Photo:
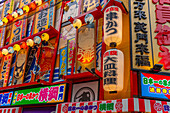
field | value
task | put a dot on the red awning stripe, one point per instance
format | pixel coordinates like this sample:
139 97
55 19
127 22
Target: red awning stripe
11 110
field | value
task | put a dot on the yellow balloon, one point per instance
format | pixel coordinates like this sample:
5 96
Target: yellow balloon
4 51
16 47
45 37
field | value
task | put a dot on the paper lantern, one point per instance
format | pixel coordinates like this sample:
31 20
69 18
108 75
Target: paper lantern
32 6
77 23
15 14
5 20
26 8
112 25
30 42
10 50
16 47
10 18
4 51
38 2
23 45
89 18
37 40
1 23
1 55
45 37
113 70
20 11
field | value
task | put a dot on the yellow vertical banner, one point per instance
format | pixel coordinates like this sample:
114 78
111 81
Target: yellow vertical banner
42 17
8 7
2 35
18 29
24 2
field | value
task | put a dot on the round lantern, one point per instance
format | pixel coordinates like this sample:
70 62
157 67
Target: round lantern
37 40
20 11
5 20
10 17
45 37
1 23
89 18
1 55
23 45
77 23
112 25
26 8
10 50
113 70
38 2
16 47
15 14
30 42
4 51
32 6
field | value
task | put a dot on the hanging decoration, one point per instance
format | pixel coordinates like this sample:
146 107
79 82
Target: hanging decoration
77 23
1 55
23 45
15 14
20 12
38 2
89 18
37 40
32 6
1 23
113 70
16 47
112 25
5 20
10 18
10 50
45 37
4 51
30 42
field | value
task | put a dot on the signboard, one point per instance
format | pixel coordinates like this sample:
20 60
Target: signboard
63 61
20 67
85 91
18 29
16 4
48 94
42 17
89 5
2 36
160 24
24 2
5 70
141 45
86 51
30 25
50 109
71 46
154 85
6 98
51 13
1 9
8 7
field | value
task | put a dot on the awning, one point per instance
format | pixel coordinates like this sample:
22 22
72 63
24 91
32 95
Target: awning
120 105
11 110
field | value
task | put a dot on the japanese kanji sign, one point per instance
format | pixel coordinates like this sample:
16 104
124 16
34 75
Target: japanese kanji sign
48 94
8 7
160 24
63 61
154 85
89 5
24 2
141 45
2 36
6 98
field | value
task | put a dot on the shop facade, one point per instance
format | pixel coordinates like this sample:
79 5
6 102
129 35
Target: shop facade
84 56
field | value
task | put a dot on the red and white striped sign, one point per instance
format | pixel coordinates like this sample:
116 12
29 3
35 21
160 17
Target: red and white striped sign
120 105
11 110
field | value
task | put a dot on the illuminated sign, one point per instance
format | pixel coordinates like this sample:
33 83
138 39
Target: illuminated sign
6 98
153 85
48 94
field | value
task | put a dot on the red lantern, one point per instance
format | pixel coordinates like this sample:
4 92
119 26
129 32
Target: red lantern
32 6
1 55
23 45
10 18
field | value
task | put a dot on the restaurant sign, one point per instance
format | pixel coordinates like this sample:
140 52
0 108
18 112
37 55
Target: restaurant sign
154 85
6 98
48 94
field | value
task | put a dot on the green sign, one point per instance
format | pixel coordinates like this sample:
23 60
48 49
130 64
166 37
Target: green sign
48 94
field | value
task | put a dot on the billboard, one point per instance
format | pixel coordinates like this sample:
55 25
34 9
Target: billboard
6 98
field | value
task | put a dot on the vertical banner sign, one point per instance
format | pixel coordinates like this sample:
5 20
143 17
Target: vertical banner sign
48 94
51 13
30 25
18 29
71 46
2 35
24 2
86 52
160 23
12 69
155 86
113 70
72 10
63 61
89 5
5 70
6 98
20 67
8 7
141 45
16 4
42 17
1 10
57 14
8 34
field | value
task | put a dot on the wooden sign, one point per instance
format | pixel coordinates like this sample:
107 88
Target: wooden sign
42 17
20 67
89 5
141 43
86 51
8 7
12 68
5 70
24 2
2 36
18 29
51 13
